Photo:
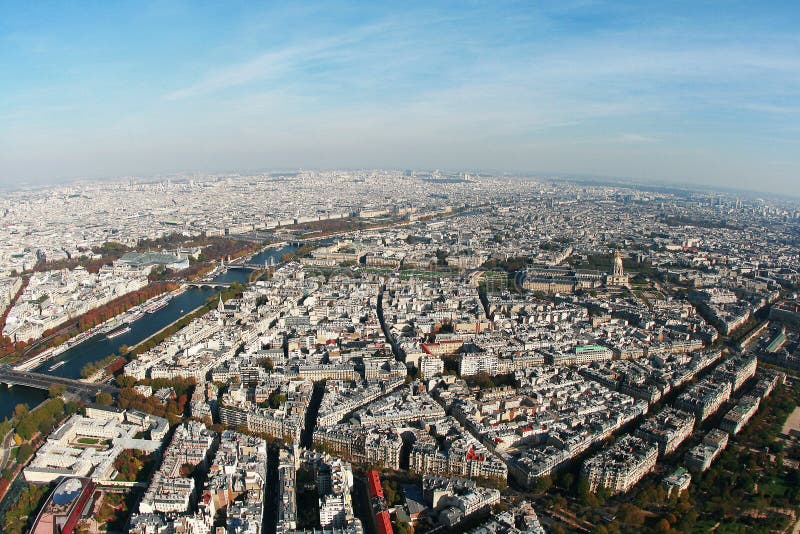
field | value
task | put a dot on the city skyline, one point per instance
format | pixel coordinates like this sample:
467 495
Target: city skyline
680 94
257 352
399 268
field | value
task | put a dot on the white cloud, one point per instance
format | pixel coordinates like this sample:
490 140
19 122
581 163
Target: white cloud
274 64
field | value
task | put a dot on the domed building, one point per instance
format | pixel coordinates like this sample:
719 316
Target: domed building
617 276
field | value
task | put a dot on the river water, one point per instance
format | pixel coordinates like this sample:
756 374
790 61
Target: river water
99 346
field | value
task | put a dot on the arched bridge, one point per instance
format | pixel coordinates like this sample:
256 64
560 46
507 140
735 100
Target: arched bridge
213 285
42 381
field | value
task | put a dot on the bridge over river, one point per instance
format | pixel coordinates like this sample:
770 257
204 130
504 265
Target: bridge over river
210 283
86 390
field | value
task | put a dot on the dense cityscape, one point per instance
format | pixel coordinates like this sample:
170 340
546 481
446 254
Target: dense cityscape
347 267
397 351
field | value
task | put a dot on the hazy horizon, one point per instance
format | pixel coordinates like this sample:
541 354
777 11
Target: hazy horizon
675 93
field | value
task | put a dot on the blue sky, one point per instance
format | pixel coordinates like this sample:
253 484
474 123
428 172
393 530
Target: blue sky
691 92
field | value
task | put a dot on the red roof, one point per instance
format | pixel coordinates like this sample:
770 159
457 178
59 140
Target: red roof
384 523
426 347
472 455
374 484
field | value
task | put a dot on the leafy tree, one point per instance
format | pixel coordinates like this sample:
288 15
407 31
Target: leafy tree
104 399
71 408
187 470
45 426
24 452
391 491
266 363
663 526
42 418
20 410
17 518
276 400
631 515
125 381
542 484
566 479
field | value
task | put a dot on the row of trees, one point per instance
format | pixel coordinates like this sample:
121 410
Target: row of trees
60 334
157 338
29 423
122 304
682 220
332 226
108 251
235 290
17 517
214 249
43 418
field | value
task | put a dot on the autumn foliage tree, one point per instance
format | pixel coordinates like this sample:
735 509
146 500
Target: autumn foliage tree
121 304
60 334
172 410
129 464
